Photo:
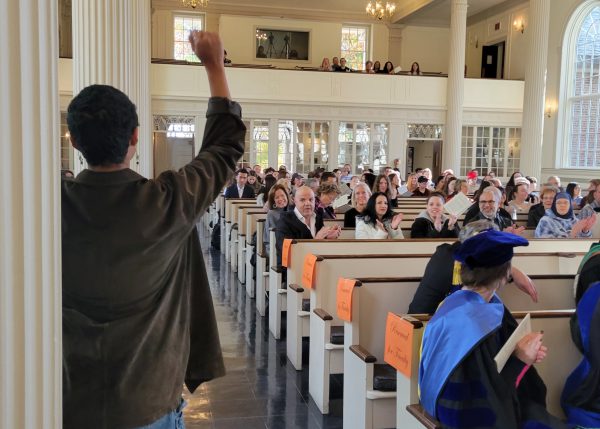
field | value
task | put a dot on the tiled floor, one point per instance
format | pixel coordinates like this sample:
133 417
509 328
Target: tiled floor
261 388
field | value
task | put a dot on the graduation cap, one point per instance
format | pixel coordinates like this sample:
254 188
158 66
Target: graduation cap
488 249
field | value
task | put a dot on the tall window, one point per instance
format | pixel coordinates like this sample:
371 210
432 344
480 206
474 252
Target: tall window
182 25
581 89
490 148
303 145
355 46
363 145
260 143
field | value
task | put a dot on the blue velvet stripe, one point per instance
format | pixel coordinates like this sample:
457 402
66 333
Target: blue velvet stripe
585 313
533 424
477 417
469 391
582 418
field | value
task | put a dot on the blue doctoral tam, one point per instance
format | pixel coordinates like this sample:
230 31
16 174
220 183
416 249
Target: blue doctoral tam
488 249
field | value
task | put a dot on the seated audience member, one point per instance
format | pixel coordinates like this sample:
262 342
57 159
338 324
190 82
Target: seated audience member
297 182
574 190
489 209
591 197
382 184
432 222
240 189
459 383
369 67
313 184
277 202
259 173
421 190
537 211
439 279
369 179
561 222
260 52
359 200
411 184
519 203
354 180
554 181
474 209
377 67
326 195
329 177
394 179
325 65
427 173
253 182
510 185
303 222
343 68
335 66
379 221
264 191
388 68
415 69
533 189
287 183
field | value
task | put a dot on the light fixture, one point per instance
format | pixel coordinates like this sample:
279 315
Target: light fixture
376 9
195 3
260 35
519 25
550 108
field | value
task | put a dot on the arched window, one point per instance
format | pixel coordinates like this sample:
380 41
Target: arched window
580 89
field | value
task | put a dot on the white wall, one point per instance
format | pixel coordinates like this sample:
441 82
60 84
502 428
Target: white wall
429 46
423 157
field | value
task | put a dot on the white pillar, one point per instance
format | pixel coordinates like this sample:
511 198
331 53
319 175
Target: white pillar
30 257
274 143
456 84
111 45
199 126
397 146
535 88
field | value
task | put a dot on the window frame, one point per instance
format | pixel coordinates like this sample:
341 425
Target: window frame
373 130
568 69
181 14
367 51
471 140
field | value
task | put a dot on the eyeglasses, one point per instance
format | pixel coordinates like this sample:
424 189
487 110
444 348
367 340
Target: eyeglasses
484 202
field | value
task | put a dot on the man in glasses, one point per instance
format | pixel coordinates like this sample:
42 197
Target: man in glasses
489 204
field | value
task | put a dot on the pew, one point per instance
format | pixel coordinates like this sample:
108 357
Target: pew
228 223
251 222
562 358
238 225
262 269
277 293
241 242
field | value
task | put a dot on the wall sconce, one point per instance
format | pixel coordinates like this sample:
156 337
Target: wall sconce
550 108
519 25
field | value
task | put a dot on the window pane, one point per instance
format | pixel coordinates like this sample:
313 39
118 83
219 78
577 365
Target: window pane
182 26
286 143
354 46
260 142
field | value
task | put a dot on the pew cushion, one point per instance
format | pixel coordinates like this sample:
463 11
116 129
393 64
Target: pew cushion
337 335
384 377
306 304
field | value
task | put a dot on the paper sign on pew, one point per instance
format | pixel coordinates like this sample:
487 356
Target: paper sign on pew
345 287
308 272
285 252
458 204
399 343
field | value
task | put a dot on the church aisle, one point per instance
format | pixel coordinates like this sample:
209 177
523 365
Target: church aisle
261 388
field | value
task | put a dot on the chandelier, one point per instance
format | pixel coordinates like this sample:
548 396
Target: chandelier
376 9
195 3
260 35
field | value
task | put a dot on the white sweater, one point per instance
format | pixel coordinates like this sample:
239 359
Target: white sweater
370 231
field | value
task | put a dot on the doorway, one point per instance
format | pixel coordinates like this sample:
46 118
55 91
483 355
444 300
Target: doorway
425 153
492 61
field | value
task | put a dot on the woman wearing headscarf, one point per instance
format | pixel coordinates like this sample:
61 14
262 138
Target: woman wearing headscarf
432 222
459 381
560 221
379 221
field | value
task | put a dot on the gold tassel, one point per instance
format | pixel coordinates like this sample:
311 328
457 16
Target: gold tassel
456 280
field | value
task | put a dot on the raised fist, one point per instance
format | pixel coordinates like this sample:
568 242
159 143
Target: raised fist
207 47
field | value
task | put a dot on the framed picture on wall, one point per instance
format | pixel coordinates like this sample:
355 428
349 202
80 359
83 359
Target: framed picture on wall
282 44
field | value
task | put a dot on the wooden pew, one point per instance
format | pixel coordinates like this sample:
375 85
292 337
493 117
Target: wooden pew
262 269
562 358
238 224
229 214
241 239
277 293
252 218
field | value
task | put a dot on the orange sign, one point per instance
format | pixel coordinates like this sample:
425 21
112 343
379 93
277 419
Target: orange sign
285 253
344 298
308 273
398 343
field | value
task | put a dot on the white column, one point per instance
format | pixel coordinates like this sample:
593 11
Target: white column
111 45
334 147
456 84
274 144
397 146
535 88
30 257
199 126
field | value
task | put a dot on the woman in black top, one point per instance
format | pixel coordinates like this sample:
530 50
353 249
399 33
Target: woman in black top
432 223
360 197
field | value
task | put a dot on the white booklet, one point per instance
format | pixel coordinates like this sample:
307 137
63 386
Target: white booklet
507 350
458 204
340 201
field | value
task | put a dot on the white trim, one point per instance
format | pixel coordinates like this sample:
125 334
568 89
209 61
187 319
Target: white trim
571 32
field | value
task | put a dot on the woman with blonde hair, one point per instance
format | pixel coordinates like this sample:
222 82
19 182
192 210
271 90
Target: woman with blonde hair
325 65
360 197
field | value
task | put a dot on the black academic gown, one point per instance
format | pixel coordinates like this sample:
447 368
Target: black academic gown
138 319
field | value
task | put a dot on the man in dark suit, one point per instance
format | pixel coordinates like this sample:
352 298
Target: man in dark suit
302 222
240 189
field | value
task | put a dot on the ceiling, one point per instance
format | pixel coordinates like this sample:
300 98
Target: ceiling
410 12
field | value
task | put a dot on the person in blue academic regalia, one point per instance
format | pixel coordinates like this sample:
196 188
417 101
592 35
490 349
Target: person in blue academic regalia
459 382
581 395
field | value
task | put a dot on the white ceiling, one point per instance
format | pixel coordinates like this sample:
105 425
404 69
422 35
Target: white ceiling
428 12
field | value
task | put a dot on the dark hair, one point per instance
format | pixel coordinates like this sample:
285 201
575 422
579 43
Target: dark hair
571 189
241 170
484 184
326 175
385 67
269 170
516 188
271 195
328 188
483 276
418 67
270 181
101 121
370 214
376 184
369 179
511 181
438 195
